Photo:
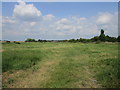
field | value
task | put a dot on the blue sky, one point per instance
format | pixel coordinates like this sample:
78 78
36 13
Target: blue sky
65 9
58 20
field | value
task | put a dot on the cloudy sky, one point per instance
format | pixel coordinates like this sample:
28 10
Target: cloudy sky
58 20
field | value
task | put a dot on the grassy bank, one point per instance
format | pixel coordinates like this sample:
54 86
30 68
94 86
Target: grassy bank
61 65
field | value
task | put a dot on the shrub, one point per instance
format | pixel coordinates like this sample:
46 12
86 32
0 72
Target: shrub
118 39
16 42
94 39
30 40
7 41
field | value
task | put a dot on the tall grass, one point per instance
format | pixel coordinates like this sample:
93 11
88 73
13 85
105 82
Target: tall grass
22 59
101 60
108 73
0 62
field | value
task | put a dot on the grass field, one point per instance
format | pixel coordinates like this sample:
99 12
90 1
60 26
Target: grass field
60 65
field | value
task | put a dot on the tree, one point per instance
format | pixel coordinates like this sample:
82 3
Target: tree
84 40
107 38
30 40
7 41
102 36
94 39
39 40
72 40
118 39
110 39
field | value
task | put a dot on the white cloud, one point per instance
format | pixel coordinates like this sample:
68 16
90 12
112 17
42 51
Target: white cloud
81 19
8 20
63 21
104 18
25 11
111 23
27 21
48 17
32 23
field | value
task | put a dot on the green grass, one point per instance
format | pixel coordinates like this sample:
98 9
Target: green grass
77 64
16 57
15 60
0 62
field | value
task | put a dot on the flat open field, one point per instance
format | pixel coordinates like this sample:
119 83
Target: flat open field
60 65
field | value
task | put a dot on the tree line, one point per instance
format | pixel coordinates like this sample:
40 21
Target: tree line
101 38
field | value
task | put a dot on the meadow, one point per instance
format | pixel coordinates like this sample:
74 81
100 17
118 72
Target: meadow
60 65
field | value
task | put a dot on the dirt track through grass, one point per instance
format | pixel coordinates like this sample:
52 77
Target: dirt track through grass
34 79
63 65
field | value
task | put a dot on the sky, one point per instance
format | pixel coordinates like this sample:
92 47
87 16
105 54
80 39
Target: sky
58 20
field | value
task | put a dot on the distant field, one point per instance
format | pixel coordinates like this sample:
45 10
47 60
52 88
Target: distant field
60 65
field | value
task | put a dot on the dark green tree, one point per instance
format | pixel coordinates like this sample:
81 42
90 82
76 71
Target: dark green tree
84 40
30 40
108 38
72 40
118 39
102 36
94 39
39 40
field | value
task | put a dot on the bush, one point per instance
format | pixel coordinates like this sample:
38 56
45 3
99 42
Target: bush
95 39
16 42
7 41
30 40
72 40
118 39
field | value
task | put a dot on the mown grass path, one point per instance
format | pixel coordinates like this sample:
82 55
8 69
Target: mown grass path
63 65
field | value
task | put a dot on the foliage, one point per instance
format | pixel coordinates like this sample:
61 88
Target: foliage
16 42
30 40
102 36
95 39
110 39
7 41
118 39
72 40
39 40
